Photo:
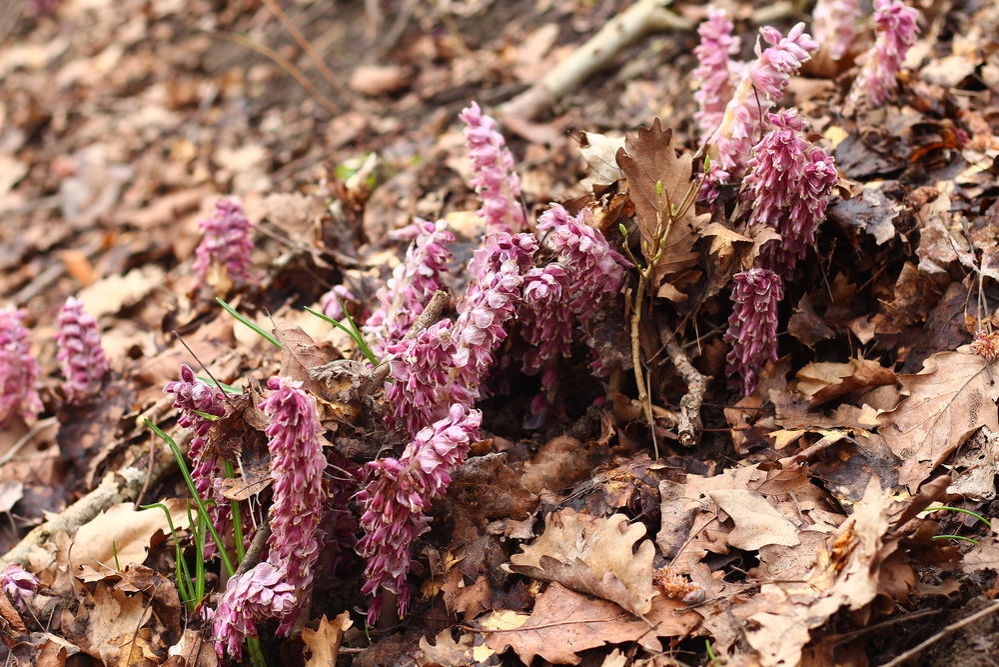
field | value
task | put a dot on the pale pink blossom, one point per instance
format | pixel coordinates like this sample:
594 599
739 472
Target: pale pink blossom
752 327
547 326
261 592
495 180
897 28
332 302
835 25
225 244
19 585
83 360
715 73
297 466
19 372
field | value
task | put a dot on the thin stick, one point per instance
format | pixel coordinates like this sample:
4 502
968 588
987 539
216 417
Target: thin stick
689 423
429 315
255 553
26 438
919 648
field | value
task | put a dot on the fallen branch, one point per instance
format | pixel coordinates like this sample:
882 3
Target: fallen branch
689 418
919 648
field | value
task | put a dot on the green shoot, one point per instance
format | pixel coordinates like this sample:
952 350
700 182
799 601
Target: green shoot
183 575
207 416
352 331
256 655
227 388
959 509
237 517
253 325
712 658
954 537
114 550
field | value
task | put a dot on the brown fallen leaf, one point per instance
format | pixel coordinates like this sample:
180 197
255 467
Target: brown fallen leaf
757 522
824 381
323 643
593 555
565 622
953 396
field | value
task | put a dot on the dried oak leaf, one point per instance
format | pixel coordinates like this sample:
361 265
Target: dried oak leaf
647 159
323 643
757 522
953 396
564 622
448 652
823 381
593 555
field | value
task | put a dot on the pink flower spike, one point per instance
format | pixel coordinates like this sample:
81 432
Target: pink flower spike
225 246
19 372
897 28
761 86
83 361
297 466
547 326
752 327
259 593
495 180
19 585
715 70
789 186
395 496
835 25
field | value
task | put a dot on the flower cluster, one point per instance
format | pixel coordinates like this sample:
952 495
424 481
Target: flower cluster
297 465
547 327
332 302
405 295
225 247
495 180
191 397
396 495
761 85
261 592
835 25
752 328
19 372
715 69
897 29
790 183
19 585
83 360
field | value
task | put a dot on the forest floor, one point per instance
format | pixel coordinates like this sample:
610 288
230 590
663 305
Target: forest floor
797 513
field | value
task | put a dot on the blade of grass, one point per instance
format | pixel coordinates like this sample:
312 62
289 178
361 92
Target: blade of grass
954 537
253 325
959 509
180 565
227 388
237 517
353 332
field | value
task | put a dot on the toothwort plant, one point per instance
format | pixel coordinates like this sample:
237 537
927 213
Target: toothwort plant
895 23
835 25
715 71
19 372
261 592
495 180
752 327
83 360
225 245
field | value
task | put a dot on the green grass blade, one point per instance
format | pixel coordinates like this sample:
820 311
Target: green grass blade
227 388
954 537
253 325
237 517
959 509
180 565
353 332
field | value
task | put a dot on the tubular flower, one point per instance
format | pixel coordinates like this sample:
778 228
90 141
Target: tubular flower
715 69
594 269
495 181
407 292
330 303
762 84
19 372
225 246
752 328
259 593
19 585
192 396
547 327
396 494
83 360
789 184
497 271
835 25
895 23
297 466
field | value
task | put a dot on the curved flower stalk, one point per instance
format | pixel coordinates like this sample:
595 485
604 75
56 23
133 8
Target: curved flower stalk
405 295
223 256
495 180
19 585
331 302
261 592
297 466
396 495
762 84
192 396
752 327
497 271
19 372
715 70
789 184
547 327
895 23
835 25
83 360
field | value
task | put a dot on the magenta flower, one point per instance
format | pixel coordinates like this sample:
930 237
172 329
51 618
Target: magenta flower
547 326
261 592
895 23
715 70
835 25
405 295
297 466
19 585
789 185
495 180
752 327
192 396
83 361
762 84
330 303
19 372
225 246
396 495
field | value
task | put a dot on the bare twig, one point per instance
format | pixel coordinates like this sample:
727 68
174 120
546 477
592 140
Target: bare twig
689 422
255 553
429 315
919 648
